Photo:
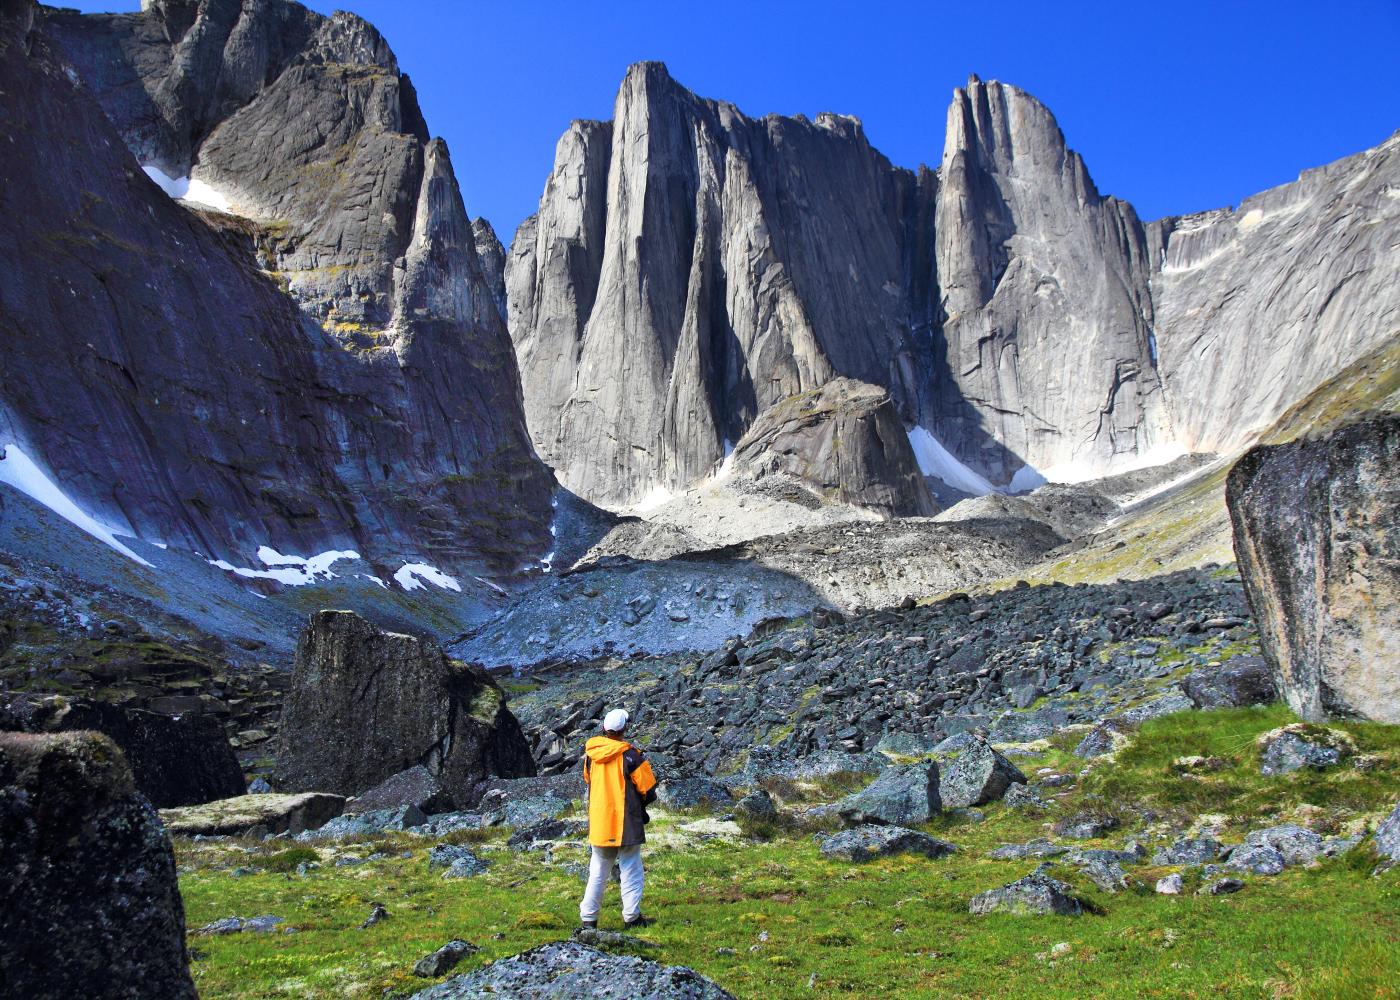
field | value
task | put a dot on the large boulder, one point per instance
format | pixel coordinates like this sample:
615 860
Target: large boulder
365 704
844 440
175 760
1317 537
416 787
1388 835
1241 681
571 969
978 776
899 796
244 814
89 905
1033 895
865 843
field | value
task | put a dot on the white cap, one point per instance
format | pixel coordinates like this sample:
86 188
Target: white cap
615 721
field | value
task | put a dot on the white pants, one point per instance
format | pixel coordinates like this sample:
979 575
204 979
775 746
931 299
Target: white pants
629 860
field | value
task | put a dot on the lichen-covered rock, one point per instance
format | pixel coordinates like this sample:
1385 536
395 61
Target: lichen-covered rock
692 793
1387 837
899 796
366 704
416 786
864 843
1300 745
1035 894
89 905
1255 860
1189 851
845 441
564 970
441 961
175 760
1105 738
268 813
1318 547
1240 681
979 775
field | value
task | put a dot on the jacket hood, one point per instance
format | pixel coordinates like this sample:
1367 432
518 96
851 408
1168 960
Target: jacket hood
601 749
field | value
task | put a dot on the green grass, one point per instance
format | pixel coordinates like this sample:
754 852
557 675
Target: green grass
892 928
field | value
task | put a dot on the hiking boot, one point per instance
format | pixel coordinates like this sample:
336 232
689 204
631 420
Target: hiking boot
638 921
588 925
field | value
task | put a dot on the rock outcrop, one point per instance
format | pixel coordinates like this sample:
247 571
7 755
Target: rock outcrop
845 441
248 815
89 905
572 969
690 267
1318 547
318 361
366 704
175 760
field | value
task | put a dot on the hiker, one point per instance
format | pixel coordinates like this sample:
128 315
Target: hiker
620 787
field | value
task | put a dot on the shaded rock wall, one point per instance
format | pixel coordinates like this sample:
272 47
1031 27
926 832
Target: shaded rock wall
366 704
89 905
1318 547
326 369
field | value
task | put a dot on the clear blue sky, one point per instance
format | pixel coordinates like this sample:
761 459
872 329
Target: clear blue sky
1176 107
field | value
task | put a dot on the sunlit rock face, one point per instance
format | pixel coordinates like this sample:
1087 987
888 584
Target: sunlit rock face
318 362
690 267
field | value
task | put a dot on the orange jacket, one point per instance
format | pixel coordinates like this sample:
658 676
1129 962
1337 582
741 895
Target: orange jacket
620 787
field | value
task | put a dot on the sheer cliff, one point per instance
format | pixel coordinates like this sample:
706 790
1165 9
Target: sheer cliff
307 352
690 267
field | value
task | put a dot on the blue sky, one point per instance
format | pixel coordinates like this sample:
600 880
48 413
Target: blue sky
1176 107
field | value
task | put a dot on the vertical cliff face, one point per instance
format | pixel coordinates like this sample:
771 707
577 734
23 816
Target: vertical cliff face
1046 354
690 266
320 363
1256 306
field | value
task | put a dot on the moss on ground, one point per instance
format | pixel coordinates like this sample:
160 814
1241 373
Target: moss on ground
776 919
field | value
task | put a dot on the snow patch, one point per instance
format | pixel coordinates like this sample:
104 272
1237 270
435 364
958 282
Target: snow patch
1251 219
192 190
373 579
1027 478
294 571
20 471
412 576
936 460
496 587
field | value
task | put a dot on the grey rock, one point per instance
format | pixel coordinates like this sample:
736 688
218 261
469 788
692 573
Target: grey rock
1319 553
1105 738
440 962
1105 873
1033 849
906 744
571 969
1297 845
1167 703
843 440
899 796
865 843
1020 796
1223 887
378 913
1255 860
1197 851
365 704
259 786
1085 826
692 793
1286 752
1035 894
447 855
466 867
275 813
758 804
415 786
979 775
553 829
1242 680
1387 837
237 925
89 904
367 824
1170 885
